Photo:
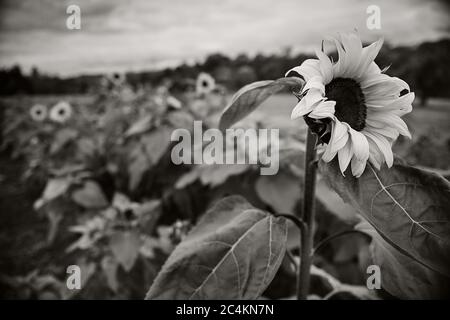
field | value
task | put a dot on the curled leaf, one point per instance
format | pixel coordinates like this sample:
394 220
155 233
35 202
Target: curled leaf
248 98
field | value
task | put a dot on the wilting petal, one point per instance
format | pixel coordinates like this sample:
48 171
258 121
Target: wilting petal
339 136
313 96
360 145
373 79
358 167
306 104
324 109
402 84
390 120
308 69
383 145
388 132
341 66
368 55
401 105
345 155
375 124
327 156
387 87
353 48
326 67
376 157
301 109
316 83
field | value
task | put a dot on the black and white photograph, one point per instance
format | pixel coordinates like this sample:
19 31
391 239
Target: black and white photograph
224 150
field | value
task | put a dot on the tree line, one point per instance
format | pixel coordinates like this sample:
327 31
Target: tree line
426 67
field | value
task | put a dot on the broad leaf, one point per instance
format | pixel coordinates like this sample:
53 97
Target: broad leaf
180 119
248 98
141 125
62 138
90 196
156 143
280 191
407 206
125 247
138 164
402 276
232 253
109 267
55 187
211 174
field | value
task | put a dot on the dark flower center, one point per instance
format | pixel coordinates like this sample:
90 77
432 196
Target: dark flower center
350 106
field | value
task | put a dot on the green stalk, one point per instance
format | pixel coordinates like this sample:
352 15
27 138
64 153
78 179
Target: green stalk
303 276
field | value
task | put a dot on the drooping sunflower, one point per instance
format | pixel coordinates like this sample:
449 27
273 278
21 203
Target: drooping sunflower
358 106
205 84
61 112
38 112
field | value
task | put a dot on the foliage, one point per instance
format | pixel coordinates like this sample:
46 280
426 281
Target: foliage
116 206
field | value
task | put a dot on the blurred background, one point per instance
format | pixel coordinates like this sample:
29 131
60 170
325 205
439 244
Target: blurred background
86 116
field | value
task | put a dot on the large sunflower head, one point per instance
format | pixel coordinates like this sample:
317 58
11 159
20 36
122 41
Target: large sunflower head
354 106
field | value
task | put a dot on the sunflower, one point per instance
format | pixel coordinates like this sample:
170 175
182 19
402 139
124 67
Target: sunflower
61 112
38 112
357 107
205 84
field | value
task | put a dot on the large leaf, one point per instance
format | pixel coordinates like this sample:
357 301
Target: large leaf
140 126
408 207
62 138
248 98
156 143
232 253
125 248
90 196
402 276
280 191
211 174
55 187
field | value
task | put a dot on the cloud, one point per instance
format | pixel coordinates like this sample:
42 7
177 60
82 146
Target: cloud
144 34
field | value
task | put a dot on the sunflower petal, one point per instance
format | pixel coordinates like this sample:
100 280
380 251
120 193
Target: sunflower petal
368 55
383 145
401 105
341 65
360 145
392 120
308 69
353 48
326 66
323 109
339 136
316 83
345 155
388 132
358 166
306 104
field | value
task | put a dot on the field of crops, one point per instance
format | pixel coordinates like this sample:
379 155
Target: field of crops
96 188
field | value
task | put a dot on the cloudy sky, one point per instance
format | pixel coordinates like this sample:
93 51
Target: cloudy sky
146 34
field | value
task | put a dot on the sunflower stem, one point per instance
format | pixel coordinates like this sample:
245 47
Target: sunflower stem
308 213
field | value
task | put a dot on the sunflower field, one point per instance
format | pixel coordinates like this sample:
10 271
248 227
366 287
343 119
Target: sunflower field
89 181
